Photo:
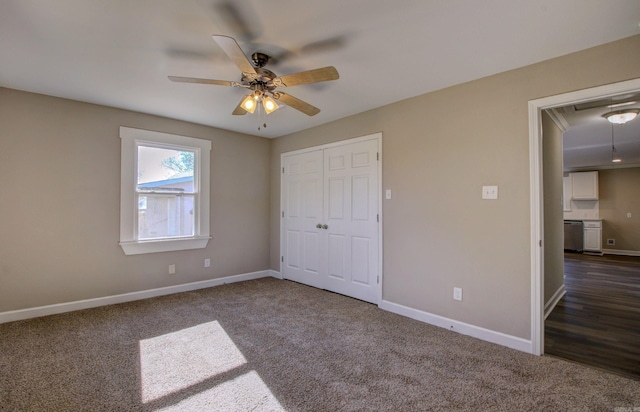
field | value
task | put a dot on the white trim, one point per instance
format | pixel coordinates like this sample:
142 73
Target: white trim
536 222
128 297
549 306
535 183
558 119
377 136
621 252
275 274
130 138
488 335
138 247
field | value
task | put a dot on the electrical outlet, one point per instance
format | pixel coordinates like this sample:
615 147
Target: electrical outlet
172 269
611 242
629 215
207 263
457 294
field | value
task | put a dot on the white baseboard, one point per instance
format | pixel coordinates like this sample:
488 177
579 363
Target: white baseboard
276 274
548 307
499 338
129 297
621 252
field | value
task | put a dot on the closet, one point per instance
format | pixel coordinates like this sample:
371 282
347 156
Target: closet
330 218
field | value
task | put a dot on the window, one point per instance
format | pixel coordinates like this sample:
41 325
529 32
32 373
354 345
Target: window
164 192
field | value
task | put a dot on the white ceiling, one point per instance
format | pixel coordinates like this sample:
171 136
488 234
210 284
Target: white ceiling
589 137
119 52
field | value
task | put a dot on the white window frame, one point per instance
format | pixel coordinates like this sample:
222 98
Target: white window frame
130 139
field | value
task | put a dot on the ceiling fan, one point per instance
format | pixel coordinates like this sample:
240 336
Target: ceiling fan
263 82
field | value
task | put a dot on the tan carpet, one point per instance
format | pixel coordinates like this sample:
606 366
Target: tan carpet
277 345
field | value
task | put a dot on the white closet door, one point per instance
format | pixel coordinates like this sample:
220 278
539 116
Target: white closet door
351 216
330 229
302 205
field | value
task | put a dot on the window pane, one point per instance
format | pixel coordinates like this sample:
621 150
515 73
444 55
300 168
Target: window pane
165 215
165 170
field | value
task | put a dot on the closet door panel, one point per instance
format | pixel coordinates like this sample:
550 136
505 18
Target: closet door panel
302 197
351 212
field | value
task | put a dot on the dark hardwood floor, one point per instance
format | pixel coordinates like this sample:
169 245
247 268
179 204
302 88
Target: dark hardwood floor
597 322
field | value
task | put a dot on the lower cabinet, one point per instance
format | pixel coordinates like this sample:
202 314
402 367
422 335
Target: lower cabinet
593 236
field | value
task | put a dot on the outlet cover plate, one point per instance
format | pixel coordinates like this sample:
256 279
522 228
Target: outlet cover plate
490 192
457 294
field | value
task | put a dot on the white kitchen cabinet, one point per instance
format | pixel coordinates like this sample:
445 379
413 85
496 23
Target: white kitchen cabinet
584 185
566 194
593 236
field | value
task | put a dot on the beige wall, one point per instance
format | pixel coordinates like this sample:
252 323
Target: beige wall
553 210
439 149
60 204
619 191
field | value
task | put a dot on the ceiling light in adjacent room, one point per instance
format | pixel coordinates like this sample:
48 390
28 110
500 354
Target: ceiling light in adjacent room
621 116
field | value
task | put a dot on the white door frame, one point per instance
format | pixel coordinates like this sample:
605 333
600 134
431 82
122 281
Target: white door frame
376 136
535 184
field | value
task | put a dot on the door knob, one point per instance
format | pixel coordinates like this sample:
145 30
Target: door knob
319 226
325 227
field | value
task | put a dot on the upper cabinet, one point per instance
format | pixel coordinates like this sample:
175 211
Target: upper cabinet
584 185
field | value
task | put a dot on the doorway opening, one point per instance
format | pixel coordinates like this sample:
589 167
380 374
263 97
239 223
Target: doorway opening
536 107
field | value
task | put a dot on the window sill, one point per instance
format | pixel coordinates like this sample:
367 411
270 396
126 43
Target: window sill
139 247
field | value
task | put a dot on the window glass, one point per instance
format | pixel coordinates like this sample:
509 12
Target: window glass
165 190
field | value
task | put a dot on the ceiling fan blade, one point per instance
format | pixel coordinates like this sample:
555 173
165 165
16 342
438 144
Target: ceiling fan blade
296 103
240 19
311 76
235 53
239 111
201 81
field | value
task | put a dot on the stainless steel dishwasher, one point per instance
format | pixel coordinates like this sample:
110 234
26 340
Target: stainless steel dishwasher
573 235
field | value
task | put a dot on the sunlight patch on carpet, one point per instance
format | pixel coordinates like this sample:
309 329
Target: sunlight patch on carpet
178 360
247 392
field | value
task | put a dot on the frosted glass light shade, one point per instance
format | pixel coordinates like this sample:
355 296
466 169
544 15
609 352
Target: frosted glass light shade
622 116
249 103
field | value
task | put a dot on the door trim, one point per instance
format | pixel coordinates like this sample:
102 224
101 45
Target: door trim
373 136
535 184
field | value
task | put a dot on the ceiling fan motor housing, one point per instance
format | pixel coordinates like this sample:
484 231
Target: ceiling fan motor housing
263 81
260 59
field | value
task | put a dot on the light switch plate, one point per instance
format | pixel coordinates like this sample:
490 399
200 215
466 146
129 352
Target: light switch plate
490 192
388 194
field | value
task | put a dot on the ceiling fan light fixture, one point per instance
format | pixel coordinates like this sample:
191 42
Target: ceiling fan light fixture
269 104
621 116
249 103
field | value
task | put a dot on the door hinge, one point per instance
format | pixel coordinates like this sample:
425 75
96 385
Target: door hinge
283 213
378 279
281 258
283 170
540 243
378 217
377 155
